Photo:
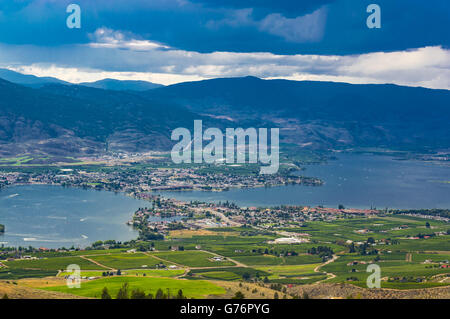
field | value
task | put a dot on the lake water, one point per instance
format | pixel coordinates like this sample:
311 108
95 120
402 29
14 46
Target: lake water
354 180
53 216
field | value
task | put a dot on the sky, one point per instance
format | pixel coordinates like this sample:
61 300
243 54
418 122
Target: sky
171 41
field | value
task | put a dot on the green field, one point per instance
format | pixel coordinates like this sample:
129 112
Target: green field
192 258
133 273
219 275
275 260
6 273
126 261
191 288
288 271
56 263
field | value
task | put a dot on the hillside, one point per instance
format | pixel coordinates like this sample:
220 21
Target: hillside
326 114
28 79
74 120
344 291
14 291
118 85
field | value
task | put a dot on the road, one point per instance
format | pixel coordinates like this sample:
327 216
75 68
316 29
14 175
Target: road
329 274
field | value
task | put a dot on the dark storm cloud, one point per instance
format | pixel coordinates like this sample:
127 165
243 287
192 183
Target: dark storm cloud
261 8
282 27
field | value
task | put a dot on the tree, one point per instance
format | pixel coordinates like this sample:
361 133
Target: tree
105 294
238 295
5 296
275 296
180 295
427 225
123 292
159 294
138 294
341 206
352 248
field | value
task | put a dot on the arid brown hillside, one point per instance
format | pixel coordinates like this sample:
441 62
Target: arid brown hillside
321 291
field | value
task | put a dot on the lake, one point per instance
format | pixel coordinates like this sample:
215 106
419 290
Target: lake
354 180
53 216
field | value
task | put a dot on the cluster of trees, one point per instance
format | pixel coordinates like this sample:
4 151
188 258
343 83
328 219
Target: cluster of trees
111 243
111 273
125 293
406 279
364 249
277 253
324 252
147 234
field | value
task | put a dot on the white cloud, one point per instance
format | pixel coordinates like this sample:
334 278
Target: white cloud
111 39
308 28
118 55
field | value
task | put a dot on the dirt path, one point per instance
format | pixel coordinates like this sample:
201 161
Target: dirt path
97 263
329 274
237 263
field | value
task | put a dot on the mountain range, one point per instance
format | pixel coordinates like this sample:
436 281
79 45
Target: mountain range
121 85
63 119
107 84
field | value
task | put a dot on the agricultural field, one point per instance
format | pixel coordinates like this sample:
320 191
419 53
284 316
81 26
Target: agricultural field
190 288
412 253
192 258
288 271
133 273
55 264
126 260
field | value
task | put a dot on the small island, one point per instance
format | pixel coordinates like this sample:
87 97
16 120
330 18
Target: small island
2 229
